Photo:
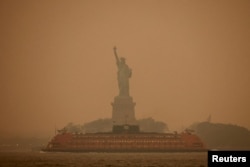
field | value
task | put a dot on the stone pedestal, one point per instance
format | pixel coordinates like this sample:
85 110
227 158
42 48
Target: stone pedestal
123 110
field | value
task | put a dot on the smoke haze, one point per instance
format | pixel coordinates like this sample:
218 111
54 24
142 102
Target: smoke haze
189 59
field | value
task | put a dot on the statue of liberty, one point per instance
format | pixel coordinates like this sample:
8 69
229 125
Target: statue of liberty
123 75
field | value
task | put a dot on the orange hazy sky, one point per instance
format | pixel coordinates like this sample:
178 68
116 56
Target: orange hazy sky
190 59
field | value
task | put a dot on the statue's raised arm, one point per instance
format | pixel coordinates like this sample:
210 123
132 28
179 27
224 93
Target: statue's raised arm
116 56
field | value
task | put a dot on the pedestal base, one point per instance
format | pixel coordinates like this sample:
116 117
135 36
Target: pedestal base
123 110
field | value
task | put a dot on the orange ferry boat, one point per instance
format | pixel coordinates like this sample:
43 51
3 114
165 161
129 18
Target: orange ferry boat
126 138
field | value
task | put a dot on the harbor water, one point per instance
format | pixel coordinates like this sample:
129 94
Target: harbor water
63 159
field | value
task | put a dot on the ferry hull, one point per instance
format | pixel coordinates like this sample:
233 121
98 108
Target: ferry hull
139 142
